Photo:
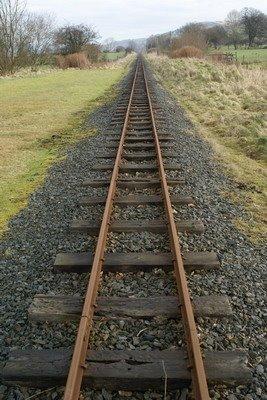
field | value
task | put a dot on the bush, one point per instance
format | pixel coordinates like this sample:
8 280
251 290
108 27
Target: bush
187 52
60 62
192 39
93 52
76 60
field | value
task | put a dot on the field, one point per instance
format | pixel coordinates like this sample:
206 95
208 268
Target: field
226 102
246 56
112 56
40 114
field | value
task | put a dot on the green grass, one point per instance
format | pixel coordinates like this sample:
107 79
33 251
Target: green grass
113 56
246 56
41 114
226 102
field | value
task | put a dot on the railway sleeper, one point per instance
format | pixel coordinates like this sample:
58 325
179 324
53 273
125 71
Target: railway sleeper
144 117
141 128
140 114
154 226
130 156
68 308
138 146
134 262
128 167
136 156
138 118
148 132
133 184
123 369
140 108
114 136
136 139
135 200
139 124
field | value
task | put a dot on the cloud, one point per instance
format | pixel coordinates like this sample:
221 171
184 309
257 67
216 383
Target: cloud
139 18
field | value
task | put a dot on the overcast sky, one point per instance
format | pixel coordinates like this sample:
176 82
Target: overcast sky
123 19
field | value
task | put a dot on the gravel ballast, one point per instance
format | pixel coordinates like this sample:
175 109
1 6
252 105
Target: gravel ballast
41 231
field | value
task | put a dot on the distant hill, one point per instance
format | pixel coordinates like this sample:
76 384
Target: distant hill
140 44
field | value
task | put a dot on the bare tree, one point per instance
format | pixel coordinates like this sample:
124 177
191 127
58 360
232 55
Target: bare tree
151 43
132 45
109 44
216 35
40 29
161 42
93 52
254 22
234 28
74 38
192 27
192 34
24 37
13 38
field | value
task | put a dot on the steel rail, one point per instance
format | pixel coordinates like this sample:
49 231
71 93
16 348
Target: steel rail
199 379
78 362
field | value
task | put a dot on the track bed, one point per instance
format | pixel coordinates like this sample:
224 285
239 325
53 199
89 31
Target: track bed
140 188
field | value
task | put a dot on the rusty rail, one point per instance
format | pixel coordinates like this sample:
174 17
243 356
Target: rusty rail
77 367
200 386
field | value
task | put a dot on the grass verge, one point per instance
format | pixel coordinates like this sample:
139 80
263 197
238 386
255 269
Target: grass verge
227 105
40 115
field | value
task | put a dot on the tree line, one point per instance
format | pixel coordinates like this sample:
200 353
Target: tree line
247 27
30 39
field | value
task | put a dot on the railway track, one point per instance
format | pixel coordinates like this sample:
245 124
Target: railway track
138 146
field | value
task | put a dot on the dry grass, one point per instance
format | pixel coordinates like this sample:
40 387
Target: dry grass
76 60
187 52
227 103
190 39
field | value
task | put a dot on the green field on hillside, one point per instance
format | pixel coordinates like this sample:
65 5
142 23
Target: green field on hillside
245 55
39 115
